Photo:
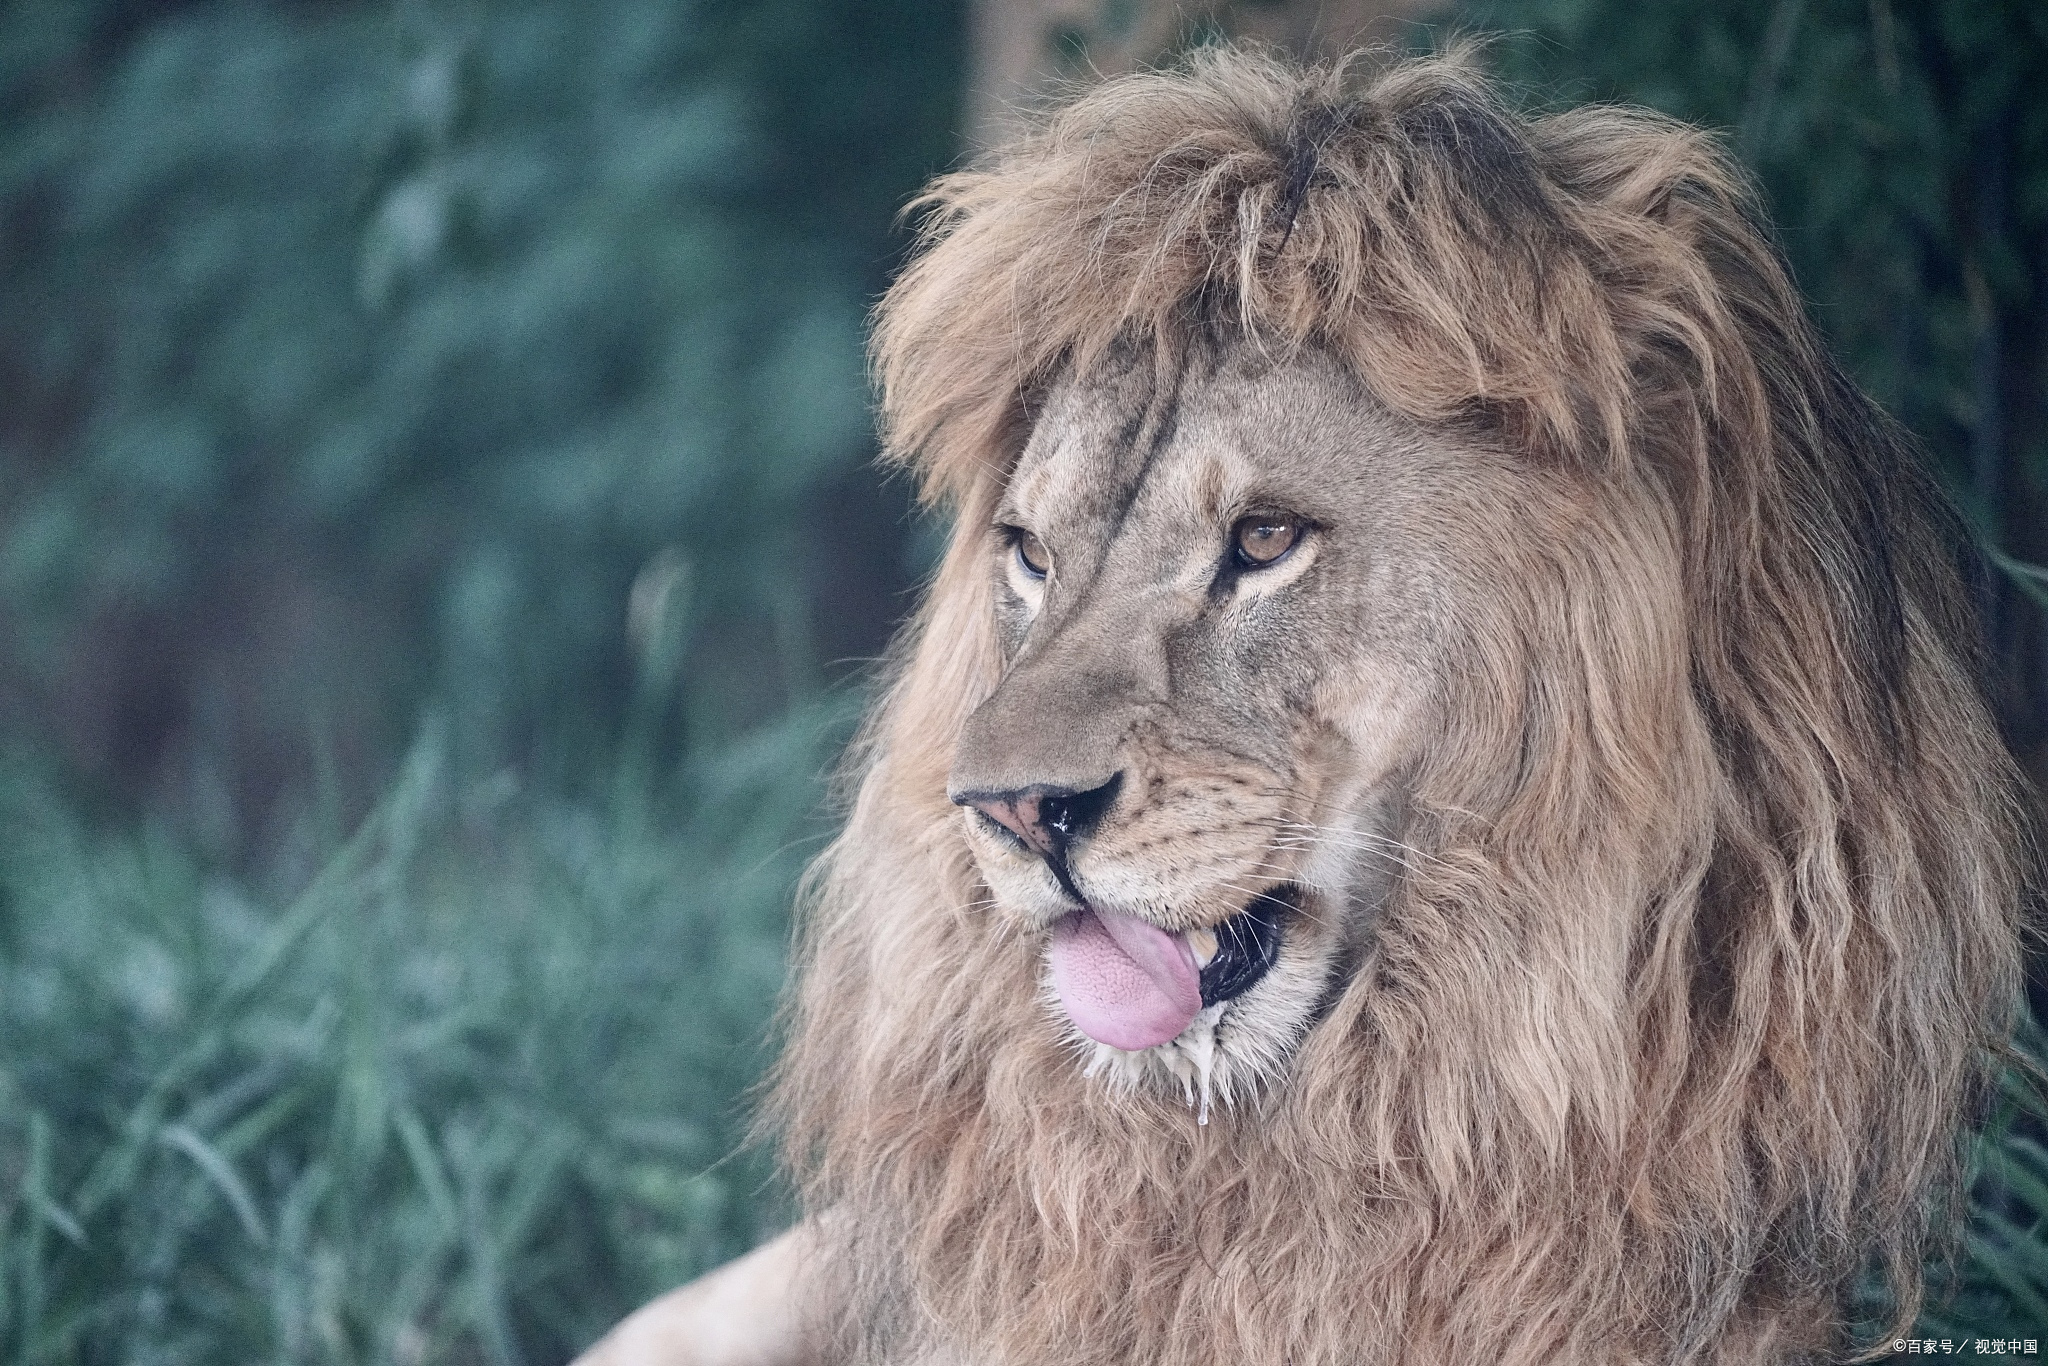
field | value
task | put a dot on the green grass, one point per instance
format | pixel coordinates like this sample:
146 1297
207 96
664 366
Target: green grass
468 1098
475 1092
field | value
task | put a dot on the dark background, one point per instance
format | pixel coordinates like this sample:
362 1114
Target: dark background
439 558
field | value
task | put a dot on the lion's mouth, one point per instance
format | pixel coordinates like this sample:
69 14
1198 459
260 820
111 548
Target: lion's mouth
1127 983
1246 945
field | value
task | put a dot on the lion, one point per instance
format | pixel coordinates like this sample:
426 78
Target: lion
1437 807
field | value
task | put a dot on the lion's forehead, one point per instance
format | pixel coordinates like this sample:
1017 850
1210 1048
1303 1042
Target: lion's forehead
1167 462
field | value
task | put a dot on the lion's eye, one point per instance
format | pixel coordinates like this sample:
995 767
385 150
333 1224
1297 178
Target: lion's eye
1032 556
1263 538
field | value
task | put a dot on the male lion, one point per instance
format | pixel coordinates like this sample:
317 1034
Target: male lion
1436 810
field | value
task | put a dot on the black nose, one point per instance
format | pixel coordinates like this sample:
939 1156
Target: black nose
1050 820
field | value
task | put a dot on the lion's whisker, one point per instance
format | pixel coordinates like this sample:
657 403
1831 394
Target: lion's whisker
1362 840
1398 856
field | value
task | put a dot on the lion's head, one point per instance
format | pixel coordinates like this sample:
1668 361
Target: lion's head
1227 602
1436 809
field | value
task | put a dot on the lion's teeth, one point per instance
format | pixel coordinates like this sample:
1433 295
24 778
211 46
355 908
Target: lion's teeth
1203 942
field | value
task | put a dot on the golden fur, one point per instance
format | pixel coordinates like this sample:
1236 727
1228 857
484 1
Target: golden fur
1668 1029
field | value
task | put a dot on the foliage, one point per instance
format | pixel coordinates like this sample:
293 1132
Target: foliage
469 1097
377 359
369 360
359 356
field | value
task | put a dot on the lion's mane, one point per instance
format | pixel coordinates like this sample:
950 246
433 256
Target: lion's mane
1668 1033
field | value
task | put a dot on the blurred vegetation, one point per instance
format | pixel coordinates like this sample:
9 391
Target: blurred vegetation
468 1097
360 356
499 365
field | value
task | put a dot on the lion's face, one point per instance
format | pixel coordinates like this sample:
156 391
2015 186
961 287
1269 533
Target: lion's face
1222 623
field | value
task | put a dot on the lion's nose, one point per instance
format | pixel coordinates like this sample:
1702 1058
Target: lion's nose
1050 820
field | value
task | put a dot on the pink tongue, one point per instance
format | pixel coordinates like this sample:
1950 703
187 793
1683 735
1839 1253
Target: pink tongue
1124 983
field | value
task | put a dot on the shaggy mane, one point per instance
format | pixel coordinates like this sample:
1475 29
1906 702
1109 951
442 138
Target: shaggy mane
1669 1035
